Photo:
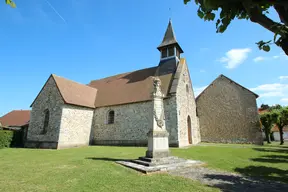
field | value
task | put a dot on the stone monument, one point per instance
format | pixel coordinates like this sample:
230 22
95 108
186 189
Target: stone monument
158 137
158 154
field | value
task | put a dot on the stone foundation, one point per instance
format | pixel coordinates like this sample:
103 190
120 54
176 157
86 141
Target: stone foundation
41 144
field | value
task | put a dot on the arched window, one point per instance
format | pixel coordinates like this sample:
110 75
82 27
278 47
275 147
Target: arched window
46 121
111 116
187 88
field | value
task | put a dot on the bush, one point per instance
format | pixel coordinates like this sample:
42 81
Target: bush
6 138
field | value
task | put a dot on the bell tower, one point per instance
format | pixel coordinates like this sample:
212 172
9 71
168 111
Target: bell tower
169 47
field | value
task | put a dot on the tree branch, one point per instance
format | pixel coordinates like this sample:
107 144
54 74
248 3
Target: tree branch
283 13
257 16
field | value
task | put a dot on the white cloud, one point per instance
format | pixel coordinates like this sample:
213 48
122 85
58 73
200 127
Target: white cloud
235 57
258 59
272 94
284 100
283 77
276 57
198 90
271 87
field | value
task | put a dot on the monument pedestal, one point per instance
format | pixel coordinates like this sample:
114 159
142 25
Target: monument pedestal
158 144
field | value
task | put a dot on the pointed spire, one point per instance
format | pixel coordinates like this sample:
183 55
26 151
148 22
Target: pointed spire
169 38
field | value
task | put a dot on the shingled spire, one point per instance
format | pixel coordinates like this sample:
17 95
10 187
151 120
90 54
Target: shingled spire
169 46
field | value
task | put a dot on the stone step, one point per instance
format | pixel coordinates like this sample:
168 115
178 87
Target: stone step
141 162
159 160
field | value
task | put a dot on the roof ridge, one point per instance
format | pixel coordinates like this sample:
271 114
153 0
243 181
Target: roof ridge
239 85
221 75
57 76
121 74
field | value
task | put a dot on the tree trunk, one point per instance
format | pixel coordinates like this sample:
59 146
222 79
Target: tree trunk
281 135
267 135
284 45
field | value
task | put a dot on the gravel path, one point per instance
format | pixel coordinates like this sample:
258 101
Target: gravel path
229 181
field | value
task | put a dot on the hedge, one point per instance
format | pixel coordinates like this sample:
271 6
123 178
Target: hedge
6 138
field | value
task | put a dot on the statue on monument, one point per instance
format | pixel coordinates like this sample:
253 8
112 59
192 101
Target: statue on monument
157 93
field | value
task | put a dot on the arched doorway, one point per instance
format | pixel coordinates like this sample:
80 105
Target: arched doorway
189 129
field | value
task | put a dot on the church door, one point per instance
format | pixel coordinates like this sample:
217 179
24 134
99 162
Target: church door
189 129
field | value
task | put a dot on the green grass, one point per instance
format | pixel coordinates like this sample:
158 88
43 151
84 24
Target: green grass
269 161
93 168
82 169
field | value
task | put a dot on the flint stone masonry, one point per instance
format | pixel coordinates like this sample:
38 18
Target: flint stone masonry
228 114
76 124
186 106
132 123
49 98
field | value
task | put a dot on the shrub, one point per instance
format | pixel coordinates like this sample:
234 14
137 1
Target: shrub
5 138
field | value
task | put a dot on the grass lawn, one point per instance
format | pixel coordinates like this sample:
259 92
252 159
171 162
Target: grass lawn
93 168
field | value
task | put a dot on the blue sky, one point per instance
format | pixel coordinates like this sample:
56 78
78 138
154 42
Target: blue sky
84 40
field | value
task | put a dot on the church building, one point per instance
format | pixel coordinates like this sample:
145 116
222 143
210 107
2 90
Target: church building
117 110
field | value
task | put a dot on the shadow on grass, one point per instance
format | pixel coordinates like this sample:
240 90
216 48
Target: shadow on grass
264 172
277 146
239 184
272 159
282 150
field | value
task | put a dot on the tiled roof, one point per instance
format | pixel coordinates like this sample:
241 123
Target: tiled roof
134 86
15 118
75 93
276 129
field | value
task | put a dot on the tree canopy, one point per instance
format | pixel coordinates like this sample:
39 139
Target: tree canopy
275 115
255 10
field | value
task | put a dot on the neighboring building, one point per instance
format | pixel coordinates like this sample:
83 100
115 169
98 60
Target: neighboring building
276 133
228 113
16 120
116 110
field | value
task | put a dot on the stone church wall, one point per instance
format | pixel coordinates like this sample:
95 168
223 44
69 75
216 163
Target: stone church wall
131 125
228 114
49 98
76 124
186 106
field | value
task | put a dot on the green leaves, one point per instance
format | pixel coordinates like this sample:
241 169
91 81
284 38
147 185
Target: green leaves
11 3
200 13
265 46
209 16
225 11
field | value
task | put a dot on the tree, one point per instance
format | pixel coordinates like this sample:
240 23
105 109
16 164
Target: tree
280 118
266 121
255 10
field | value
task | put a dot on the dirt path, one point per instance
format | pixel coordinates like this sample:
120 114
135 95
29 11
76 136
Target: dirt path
226 181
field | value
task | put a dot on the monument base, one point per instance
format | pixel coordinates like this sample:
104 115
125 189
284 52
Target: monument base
151 165
158 144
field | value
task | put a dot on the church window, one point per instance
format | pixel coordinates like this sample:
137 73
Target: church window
164 53
187 88
46 121
171 51
111 116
